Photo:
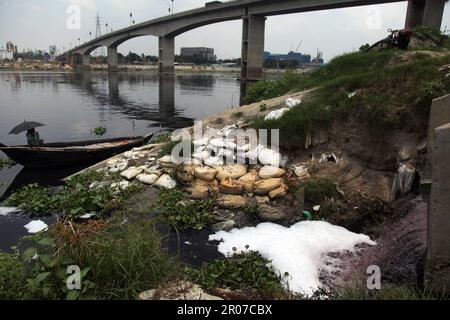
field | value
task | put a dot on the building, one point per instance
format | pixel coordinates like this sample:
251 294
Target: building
11 47
6 55
290 56
53 51
198 52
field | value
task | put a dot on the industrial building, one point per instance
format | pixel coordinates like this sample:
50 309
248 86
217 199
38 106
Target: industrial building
199 52
291 56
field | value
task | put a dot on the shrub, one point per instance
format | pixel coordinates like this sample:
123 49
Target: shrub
116 260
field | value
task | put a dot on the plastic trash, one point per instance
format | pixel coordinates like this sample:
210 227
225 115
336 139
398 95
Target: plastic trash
166 181
214 161
316 208
276 114
222 143
308 215
351 95
269 157
4 211
36 226
291 102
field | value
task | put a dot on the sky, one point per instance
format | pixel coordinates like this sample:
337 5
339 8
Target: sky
37 24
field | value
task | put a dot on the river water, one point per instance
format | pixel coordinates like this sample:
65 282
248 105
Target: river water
72 104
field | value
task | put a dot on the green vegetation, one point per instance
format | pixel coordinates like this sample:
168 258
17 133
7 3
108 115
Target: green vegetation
12 279
99 131
183 213
218 121
243 271
6 163
238 115
424 32
252 209
115 260
317 190
74 199
263 107
381 88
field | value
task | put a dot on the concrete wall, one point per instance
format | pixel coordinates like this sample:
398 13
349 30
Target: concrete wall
437 270
439 115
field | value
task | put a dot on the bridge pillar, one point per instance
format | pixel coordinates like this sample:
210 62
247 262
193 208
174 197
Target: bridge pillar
166 55
437 267
113 58
252 58
428 12
86 60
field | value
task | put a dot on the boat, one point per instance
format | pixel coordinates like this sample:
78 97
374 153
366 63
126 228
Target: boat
65 154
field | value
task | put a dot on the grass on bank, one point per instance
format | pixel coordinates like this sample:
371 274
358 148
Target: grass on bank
117 261
380 88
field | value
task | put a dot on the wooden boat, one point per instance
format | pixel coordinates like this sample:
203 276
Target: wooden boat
65 154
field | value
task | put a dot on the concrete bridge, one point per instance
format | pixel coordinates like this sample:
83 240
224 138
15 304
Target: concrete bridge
252 12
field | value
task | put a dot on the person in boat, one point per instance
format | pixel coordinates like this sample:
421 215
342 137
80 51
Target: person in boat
33 138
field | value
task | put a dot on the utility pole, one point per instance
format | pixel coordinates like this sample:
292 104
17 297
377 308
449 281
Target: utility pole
98 33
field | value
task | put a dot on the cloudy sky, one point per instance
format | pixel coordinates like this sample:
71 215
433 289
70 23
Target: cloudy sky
36 24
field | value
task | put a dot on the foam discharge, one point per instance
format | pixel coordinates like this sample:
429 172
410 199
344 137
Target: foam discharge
301 250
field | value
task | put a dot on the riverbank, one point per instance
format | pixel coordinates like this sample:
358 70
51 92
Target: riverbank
328 194
57 67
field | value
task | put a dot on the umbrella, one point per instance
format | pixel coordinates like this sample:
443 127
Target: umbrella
25 126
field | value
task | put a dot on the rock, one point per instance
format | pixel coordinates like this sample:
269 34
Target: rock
180 290
231 171
270 214
263 187
248 180
279 192
225 225
268 172
131 172
154 170
166 162
230 186
422 147
119 166
269 157
166 181
205 173
147 178
301 171
407 153
231 202
263 199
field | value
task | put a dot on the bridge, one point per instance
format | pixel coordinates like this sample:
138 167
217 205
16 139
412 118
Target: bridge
252 12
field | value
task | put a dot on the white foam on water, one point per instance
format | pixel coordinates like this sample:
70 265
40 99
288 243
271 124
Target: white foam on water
36 226
4 211
300 250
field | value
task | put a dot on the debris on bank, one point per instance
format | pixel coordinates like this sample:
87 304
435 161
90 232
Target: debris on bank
36 226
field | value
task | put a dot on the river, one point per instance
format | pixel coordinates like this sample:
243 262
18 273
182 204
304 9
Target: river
73 104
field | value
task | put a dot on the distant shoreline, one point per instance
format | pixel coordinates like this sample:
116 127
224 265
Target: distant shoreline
51 67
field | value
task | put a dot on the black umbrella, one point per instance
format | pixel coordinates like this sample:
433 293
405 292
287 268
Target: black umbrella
25 126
